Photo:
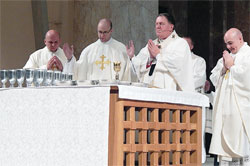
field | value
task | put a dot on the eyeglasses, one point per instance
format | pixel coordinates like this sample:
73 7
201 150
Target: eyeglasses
104 32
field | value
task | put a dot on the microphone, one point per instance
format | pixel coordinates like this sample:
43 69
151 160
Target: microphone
152 68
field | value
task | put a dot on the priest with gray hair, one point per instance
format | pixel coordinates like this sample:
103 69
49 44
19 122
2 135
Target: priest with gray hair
165 62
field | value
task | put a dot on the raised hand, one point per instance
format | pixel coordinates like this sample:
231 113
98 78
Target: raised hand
68 51
153 49
130 49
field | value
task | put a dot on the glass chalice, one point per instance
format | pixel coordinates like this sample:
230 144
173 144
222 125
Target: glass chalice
20 73
69 77
40 76
12 77
30 74
49 77
63 77
4 77
57 77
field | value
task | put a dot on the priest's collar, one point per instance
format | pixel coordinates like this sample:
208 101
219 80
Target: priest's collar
107 42
51 51
173 35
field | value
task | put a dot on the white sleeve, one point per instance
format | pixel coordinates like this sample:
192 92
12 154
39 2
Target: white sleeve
81 66
240 72
139 62
216 72
176 58
200 73
33 61
69 65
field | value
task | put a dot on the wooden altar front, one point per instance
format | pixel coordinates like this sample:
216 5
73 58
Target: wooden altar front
153 133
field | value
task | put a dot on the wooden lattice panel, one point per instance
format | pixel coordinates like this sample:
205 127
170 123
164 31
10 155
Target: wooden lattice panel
149 133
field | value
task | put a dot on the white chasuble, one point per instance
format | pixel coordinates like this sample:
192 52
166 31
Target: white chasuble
231 114
39 59
96 61
199 71
173 65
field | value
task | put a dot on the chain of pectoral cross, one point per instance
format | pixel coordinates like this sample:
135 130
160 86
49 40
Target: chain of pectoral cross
102 62
226 75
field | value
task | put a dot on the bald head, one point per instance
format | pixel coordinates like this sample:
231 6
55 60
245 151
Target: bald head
233 32
104 29
234 40
52 40
52 33
106 21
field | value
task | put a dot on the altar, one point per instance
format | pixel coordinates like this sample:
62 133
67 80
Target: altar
100 125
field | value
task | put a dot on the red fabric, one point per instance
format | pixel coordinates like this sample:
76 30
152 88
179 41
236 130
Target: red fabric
148 64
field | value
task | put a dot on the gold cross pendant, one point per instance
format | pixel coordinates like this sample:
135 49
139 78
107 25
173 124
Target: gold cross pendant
102 62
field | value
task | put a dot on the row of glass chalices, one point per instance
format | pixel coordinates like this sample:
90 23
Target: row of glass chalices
33 77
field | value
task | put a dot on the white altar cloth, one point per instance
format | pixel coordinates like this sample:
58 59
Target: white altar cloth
163 95
54 126
67 126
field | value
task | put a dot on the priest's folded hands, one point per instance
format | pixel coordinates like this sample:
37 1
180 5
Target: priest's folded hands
53 63
153 49
228 60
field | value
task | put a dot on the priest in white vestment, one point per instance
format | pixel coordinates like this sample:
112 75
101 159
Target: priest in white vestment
96 60
231 115
199 73
165 62
52 57
199 68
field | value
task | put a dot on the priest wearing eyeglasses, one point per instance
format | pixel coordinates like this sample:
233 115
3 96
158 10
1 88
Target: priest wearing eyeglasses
96 60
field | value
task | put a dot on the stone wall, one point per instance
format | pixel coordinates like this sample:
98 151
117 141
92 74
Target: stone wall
77 20
132 20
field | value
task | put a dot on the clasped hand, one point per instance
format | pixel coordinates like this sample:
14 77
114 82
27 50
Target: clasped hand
54 61
228 60
153 49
